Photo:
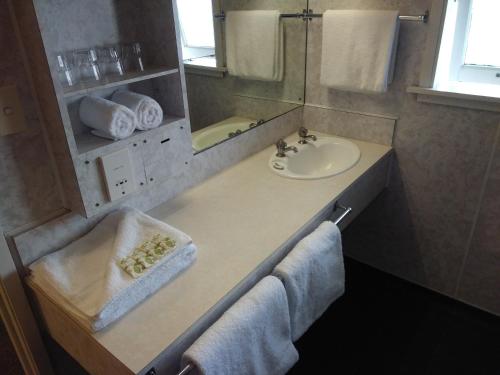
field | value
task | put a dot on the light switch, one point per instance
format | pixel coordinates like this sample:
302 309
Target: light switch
11 112
119 174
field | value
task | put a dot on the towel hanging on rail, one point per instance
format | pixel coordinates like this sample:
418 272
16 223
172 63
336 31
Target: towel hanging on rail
359 49
255 45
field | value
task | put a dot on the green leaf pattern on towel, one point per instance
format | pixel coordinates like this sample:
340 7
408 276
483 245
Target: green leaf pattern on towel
147 255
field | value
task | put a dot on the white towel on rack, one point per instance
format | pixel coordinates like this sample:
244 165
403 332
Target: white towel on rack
110 119
251 338
359 49
313 275
255 44
147 110
85 277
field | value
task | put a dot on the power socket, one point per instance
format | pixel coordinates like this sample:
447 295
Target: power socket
118 174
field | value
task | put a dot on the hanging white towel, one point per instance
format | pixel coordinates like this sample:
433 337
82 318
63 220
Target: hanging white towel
86 278
255 44
147 110
359 49
110 119
251 338
313 275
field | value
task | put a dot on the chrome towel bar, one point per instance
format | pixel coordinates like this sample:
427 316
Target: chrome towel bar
309 15
347 212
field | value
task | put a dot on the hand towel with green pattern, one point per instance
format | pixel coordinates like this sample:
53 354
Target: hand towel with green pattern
104 274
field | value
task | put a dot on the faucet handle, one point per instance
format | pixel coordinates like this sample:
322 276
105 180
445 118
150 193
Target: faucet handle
303 132
281 144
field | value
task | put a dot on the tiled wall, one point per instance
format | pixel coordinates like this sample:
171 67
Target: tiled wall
28 189
438 222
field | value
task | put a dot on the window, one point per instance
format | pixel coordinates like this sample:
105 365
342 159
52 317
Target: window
469 56
197 32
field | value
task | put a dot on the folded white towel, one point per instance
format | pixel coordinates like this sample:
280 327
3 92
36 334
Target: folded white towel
112 119
313 274
86 279
255 44
147 110
359 49
251 338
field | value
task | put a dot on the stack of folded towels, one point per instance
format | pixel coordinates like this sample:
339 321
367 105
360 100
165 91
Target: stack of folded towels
100 277
119 117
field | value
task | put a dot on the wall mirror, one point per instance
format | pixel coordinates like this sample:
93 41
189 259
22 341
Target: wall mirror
232 84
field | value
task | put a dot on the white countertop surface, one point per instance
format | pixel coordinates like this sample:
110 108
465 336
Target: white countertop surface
237 219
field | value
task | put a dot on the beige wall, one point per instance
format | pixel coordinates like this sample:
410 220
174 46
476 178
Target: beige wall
438 222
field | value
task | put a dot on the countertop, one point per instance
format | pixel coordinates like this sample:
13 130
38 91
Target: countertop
238 219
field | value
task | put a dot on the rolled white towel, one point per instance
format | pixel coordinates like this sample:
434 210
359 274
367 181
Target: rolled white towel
110 119
147 110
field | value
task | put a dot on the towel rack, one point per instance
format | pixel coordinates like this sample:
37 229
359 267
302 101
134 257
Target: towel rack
186 370
309 15
347 210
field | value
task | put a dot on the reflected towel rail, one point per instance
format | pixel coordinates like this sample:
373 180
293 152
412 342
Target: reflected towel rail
347 210
309 15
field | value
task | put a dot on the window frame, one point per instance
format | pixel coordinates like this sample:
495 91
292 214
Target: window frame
425 90
217 51
459 70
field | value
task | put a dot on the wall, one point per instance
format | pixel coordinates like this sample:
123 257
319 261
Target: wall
437 223
28 187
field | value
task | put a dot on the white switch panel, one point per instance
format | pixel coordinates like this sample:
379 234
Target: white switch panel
119 174
11 112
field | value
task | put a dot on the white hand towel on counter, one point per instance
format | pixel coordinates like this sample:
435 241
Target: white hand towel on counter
85 277
255 44
147 110
251 338
313 275
108 118
359 49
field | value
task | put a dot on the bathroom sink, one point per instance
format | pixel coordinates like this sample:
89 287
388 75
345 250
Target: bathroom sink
325 157
220 131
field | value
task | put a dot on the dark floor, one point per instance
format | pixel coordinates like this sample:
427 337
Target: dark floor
9 364
384 325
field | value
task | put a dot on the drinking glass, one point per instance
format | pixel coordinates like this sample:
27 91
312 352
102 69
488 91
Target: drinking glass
110 61
66 69
132 56
86 62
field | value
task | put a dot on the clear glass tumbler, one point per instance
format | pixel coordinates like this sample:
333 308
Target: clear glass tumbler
86 62
66 70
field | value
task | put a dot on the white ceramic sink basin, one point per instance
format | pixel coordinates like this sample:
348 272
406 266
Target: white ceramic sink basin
326 157
220 131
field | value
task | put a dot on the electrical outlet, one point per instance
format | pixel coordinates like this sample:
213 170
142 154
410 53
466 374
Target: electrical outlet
11 112
119 174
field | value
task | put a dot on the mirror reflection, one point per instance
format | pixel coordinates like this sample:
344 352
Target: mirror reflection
244 63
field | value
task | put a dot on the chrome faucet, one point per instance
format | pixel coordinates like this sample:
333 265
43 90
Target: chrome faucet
303 134
283 148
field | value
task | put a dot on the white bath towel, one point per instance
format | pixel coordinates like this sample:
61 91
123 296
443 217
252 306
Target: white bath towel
255 44
112 119
313 275
147 110
251 338
86 279
359 49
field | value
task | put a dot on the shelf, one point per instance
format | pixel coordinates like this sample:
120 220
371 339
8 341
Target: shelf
87 88
86 142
